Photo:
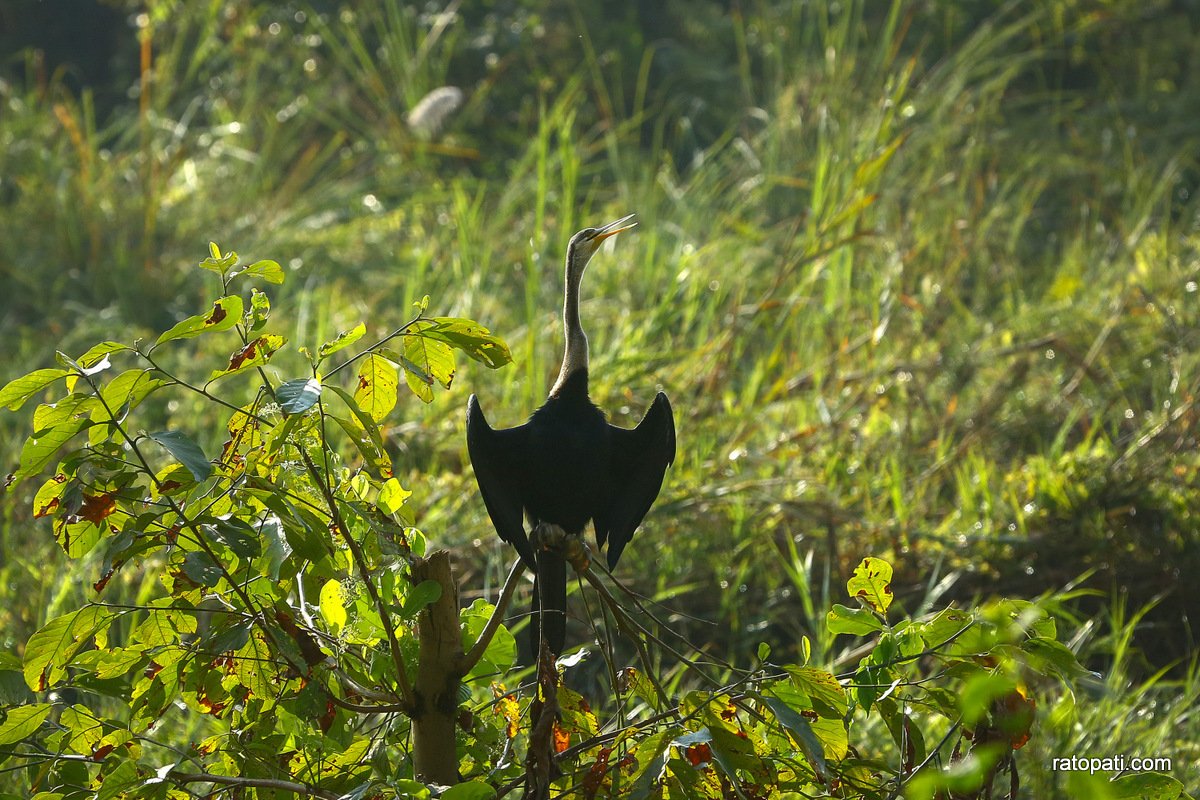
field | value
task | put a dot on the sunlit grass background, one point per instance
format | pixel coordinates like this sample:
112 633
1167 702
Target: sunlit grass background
920 279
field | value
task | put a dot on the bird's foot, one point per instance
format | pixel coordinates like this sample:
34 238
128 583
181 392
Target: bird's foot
572 546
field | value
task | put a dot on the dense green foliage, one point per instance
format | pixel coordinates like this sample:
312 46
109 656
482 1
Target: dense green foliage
920 279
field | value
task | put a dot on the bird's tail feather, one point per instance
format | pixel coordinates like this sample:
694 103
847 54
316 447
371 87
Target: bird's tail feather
550 598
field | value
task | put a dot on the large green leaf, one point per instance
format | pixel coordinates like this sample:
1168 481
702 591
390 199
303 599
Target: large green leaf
802 734
48 651
471 790
198 566
18 390
225 313
299 395
427 360
39 450
128 389
266 269
467 335
365 433
238 535
22 721
854 621
96 353
186 452
376 389
419 596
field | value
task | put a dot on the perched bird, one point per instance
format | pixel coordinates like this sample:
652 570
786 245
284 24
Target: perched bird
567 465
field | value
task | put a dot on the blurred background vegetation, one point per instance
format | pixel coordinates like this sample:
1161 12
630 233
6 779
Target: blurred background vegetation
919 277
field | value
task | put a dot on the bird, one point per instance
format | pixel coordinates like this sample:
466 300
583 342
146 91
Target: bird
568 466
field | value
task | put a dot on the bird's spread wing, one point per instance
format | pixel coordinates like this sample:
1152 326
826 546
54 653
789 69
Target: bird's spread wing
497 457
639 460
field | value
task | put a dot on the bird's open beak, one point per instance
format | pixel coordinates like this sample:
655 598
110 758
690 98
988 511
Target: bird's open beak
613 228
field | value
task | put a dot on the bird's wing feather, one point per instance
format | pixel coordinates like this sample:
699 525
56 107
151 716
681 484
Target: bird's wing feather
639 460
497 457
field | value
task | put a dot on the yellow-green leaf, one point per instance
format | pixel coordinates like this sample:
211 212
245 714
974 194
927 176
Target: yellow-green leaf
22 721
18 390
333 605
392 496
48 651
376 389
872 584
225 313
343 339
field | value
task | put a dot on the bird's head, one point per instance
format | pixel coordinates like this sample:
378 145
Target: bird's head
585 243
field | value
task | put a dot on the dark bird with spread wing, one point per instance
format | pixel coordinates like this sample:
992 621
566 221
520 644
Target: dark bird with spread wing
567 465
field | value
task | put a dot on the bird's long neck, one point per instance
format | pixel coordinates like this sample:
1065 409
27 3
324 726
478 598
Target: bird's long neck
575 354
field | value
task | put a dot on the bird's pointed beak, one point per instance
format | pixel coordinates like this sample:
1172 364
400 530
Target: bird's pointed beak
613 228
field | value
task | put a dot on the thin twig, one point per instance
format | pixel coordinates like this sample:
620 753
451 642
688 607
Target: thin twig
303 789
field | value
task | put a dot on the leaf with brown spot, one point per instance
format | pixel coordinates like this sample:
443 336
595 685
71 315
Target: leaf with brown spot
698 754
562 739
225 314
253 354
96 507
872 584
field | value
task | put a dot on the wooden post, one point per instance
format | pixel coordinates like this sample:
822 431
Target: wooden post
434 717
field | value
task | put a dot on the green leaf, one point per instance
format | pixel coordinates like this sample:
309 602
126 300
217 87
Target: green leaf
1049 654
466 335
201 569
419 596
376 390
122 780
186 452
225 313
854 621
651 756
392 496
97 353
802 734
343 339
22 721
299 395
946 625
471 790
501 651
372 452
39 450
238 535
127 391
73 406
18 390
266 269
48 651
427 360
872 583
825 694
216 262
1146 786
